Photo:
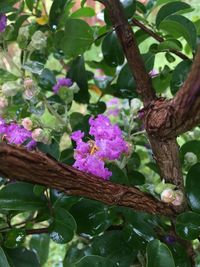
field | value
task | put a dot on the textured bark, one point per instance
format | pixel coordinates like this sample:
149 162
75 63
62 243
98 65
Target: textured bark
157 111
35 167
131 50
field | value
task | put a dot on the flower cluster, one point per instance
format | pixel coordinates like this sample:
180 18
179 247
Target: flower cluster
16 134
62 82
3 22
108 144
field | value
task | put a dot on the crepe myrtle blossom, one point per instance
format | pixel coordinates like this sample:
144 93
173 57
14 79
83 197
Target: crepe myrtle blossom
3 22
108 144
14 133
62 82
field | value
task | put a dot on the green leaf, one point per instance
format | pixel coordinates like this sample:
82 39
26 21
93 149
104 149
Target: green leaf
93 261
180 255
78 74
22 257
112 50
83 12
170 44
193 187
179 75
30 4
75 253
129 7
34 67
6 6
118 175
188 225
3 259
53 149
56 12
113 246
190 146
15 238
78 37
20 196
91 217
126 86
63 227
97 108
169 9
179 26
6 76
40 245
159 255
136 178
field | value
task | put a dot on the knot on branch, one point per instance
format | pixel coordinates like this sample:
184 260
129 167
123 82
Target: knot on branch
158 117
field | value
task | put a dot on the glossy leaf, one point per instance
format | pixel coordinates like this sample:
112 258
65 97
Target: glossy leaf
78 74
159 255
112 50
129 7
112 245
22 257
179 75
188 225
91 217
63 227
6 76
93 261
56 12
20 196
180 255
40 245
83 12
15 238
77 38
179 26
169 9
3 259
193 187
75 252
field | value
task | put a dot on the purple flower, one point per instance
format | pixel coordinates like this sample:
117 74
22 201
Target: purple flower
31 145
62 82
153 73
90 157
16 134
3 22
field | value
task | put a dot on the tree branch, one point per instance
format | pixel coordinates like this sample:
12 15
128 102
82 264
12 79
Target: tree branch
35 167
131 50
166 119
157 37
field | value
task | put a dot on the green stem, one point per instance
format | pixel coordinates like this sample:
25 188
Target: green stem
57 116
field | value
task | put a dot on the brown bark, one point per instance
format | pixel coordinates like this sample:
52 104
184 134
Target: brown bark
131 50
35 167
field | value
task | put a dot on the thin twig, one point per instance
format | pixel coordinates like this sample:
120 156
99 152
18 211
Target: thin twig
157 37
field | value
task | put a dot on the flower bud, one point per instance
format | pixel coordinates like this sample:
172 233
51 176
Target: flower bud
38 41
27 123
136 105
168 195
3 102
190 158
39 135
178 198
30 89
10 88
